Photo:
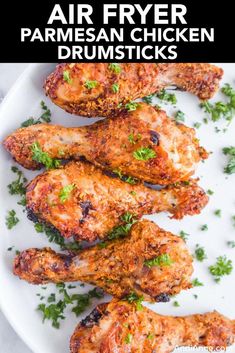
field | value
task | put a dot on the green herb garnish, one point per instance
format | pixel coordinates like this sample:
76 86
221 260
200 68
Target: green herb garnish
116 68
197 283
204 227
179 116
167 97
230 167
43 157
128 338
65 192
200 253
144 154
231 243
197 125
66 76
11 219
44 117
18 186
183 235
176 304
161 260
134 298
222 267
148 99
90 84
210 192
217 213
127 179
121 231
115 87
131 106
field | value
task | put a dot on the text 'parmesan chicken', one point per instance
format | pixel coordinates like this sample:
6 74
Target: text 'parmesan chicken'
151 262
81 201
101 89
119 327
145 144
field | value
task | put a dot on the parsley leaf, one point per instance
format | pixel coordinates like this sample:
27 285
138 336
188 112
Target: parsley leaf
65 192
128 338
197 283
90 84
66 76
18 186
161 260
43 158
116 68
134 298
176 304
183 235
180 116
222 267
231 243
134 139
121 231
200 253
167 97
115 87
127 179
144 154
131 106
204 227
230 152
11 219
148 99
44 117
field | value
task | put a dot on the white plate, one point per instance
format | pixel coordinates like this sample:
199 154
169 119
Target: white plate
18 299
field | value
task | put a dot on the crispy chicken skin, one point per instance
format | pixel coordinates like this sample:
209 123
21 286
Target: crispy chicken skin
107 144
134 81
120 267
119 327
97 201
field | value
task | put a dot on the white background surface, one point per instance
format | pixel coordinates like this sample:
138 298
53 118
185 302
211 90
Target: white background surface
9 341
19 298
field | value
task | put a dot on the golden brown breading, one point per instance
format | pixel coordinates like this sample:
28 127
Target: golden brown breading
111 144
135 80
97 202
119 327
120 267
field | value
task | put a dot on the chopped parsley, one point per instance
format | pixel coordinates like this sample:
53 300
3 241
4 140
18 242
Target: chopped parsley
65 192
134 139
210 192
161 260
121 231
200 253
197 283
167 97
148 99
222 267
115 88
230 167
44 117
128 338
11 219
220 109
231 243
134 298
77 303
66 76
116 68
131 106
183 235
53 236
150 336
144 154
197 125
217 213
91 84
127 179
176 304
204 227
18 186
43 158
179 116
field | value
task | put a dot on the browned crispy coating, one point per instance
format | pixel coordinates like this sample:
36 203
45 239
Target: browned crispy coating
135 80
97 201
119 327
112 143
120 267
